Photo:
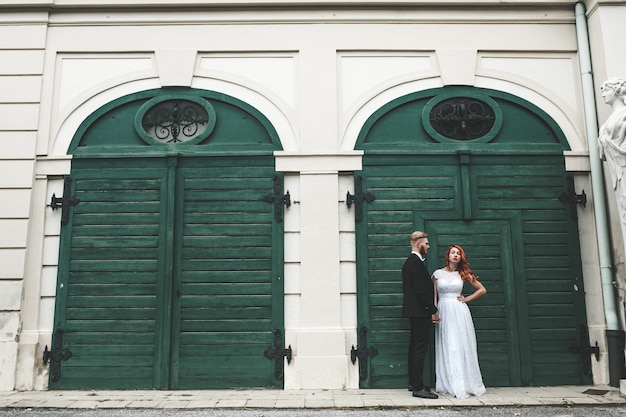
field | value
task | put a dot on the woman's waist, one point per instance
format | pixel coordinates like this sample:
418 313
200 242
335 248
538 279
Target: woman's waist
448 296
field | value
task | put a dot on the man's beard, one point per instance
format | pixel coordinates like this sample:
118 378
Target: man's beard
422 251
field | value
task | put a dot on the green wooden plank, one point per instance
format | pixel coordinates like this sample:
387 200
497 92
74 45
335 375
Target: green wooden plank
225 242
249 217
127 198
88 364
116 373
225 350
127 325
229 367
112 254
218 313
109 277
113 183
238 181
111 350
219 206
132 209
81 313
124 218
109 337
90 243
191 251
229 230
225 276
228 301
238 289
112 302
111 290
114 265
224 325
426 204
261 337
96 232
228 265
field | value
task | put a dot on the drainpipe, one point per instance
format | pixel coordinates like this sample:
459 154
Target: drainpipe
615 336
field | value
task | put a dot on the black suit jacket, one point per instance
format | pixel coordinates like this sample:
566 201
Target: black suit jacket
417 288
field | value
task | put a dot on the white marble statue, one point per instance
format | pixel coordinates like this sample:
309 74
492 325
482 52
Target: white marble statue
612 140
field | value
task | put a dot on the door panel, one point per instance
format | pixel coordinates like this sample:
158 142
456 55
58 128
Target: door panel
473 159
520 240
225 276
169 275
489 249
109 297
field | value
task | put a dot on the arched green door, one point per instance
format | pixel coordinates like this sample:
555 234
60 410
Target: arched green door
171 257
485 170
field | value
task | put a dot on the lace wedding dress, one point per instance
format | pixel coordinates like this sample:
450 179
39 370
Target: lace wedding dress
456 358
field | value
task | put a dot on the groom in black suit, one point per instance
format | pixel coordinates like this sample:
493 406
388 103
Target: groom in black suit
419 307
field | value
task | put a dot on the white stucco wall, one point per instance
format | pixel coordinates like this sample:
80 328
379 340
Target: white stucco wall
317 75
21 68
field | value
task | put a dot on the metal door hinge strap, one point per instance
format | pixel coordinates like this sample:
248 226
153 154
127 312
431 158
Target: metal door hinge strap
56 355
572 198
278 352
362 352
358 199
584 349
278 199
65 202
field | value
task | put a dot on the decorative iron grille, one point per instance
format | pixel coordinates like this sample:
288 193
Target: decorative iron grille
175 121
462 118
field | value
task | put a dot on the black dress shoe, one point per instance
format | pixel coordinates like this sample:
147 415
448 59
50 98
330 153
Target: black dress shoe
425 394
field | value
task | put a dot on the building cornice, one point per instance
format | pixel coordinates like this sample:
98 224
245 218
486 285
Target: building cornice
149 15
22 5
267 4
200 12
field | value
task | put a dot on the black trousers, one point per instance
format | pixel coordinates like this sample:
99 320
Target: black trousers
421 334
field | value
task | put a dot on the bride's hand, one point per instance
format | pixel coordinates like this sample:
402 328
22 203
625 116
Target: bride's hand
461 298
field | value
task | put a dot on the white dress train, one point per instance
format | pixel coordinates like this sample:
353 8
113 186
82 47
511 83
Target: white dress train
456 358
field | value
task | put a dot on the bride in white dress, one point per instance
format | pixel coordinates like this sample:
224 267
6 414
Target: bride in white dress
456 358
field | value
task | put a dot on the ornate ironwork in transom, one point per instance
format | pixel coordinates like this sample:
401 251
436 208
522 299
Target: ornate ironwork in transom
462 118
175 121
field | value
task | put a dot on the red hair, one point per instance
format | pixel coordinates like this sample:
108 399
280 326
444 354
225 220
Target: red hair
463 266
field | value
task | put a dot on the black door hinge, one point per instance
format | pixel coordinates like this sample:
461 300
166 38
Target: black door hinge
65 202
277 353
362 352
584 349
56 355
358 199
572 198
278 199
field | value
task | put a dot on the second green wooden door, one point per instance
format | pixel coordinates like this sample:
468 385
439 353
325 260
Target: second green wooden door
519 238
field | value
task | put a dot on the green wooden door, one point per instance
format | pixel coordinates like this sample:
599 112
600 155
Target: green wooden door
170 265
498 198
111 285
170 277
228 255
496 316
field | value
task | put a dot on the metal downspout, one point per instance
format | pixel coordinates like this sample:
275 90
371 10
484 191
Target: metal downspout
597 179
597 185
